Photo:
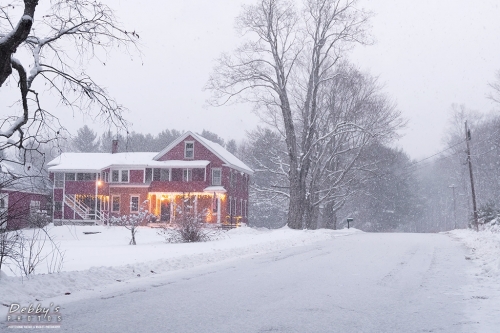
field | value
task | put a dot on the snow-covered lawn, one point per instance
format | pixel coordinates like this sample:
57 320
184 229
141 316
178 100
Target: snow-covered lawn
105 257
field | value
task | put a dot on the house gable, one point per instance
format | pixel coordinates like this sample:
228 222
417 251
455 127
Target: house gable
177 152
203 149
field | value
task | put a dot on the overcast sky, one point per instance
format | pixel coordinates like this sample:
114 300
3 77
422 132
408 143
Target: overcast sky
428 54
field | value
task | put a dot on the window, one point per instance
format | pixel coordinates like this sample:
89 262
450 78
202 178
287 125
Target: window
105 176
245 213
156 174
124 177
115 207
216 176
4 201
164 174
187 175
59 180
241 207
148 175
57 206
118 176
188 149
85 176
134 203
34 206
231 178
230 205
70 176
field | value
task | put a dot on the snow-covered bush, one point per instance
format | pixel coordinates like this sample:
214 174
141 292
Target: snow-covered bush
488 217
132 222
188 227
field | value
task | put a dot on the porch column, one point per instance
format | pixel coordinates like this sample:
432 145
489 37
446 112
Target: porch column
196 205
218 209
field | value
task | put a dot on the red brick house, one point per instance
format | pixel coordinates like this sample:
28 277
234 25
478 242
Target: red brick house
191 172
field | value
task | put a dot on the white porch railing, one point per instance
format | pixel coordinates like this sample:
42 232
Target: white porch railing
83 211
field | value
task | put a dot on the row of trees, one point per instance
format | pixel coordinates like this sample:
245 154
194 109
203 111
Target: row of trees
88 141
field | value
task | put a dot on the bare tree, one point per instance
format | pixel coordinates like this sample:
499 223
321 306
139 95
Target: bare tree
281 69
58 44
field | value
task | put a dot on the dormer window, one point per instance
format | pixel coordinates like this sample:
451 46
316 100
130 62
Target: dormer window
189 149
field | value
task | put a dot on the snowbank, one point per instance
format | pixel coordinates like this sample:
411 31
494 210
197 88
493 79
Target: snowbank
104 256
484 248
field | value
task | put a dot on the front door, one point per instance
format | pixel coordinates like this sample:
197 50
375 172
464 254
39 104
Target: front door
165 211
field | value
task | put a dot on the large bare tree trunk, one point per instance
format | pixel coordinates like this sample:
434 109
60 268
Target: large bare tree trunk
9 44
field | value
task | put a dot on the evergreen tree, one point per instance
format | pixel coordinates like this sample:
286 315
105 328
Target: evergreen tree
86 141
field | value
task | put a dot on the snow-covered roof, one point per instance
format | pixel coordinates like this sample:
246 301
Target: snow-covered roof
99 161
228 158
216 189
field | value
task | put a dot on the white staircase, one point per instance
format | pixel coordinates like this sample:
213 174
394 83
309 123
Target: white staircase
83 211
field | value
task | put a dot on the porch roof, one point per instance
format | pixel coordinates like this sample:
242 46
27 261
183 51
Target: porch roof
215 189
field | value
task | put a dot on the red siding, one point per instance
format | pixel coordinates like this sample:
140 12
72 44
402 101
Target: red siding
81 187
137 176
19 207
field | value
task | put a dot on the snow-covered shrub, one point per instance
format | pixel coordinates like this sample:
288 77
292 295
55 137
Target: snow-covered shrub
188 227
488 214
132 222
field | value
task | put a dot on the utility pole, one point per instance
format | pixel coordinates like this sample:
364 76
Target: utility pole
452 186
474 207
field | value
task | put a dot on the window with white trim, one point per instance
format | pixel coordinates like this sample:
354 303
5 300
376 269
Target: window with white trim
216 176
134 203
245 208
124 176
58 180
70 176
34 206
120 176
241 207
115 203
4 200
189 149
115 176
230 204
187 175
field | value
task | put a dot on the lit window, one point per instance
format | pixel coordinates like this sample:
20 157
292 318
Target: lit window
216 176
188 149
115 203
134 204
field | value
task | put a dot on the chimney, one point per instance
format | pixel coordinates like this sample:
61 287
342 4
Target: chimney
114 146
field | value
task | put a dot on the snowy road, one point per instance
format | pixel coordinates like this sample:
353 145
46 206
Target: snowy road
359 283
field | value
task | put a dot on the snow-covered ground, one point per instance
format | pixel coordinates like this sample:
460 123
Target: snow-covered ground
483 250
105 257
